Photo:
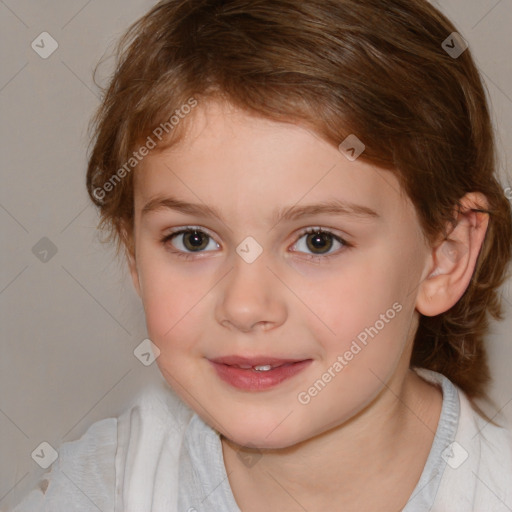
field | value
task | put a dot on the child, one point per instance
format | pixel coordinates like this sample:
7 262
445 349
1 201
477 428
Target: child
306 195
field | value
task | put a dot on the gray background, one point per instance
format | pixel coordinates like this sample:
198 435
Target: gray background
69 325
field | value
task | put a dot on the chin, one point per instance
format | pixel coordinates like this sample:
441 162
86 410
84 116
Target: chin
258 441
262 434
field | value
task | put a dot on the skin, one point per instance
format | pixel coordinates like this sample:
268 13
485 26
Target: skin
363 440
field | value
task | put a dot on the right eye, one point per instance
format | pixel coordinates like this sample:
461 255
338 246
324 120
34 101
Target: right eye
187 241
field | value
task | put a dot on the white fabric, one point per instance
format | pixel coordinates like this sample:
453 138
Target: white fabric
83 476
131 464
483 482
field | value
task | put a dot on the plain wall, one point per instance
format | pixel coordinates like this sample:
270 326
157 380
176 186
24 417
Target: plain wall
69 325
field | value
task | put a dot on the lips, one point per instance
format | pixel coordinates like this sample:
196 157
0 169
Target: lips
257 373
257 361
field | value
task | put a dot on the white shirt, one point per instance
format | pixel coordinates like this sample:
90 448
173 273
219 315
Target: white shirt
159 456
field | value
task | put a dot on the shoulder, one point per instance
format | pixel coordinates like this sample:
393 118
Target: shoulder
81 477
478 471
491 448
92 472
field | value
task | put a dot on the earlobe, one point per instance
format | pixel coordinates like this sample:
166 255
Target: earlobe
454 259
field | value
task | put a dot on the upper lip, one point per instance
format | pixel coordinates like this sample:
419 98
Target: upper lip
253 361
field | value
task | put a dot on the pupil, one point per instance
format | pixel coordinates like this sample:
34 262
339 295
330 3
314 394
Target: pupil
195 239
318 241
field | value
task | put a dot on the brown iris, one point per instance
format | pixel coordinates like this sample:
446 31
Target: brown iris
318 240
195 240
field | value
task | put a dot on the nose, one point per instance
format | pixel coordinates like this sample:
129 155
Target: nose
251 298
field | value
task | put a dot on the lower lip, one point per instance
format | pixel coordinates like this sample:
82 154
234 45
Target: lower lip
253 380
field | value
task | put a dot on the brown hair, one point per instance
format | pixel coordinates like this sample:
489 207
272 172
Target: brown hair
366 67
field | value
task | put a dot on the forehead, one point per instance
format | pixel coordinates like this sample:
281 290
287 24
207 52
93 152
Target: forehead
233 160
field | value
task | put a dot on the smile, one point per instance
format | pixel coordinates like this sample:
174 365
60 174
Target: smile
258 376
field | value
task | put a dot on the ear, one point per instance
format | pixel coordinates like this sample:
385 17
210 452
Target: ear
452 262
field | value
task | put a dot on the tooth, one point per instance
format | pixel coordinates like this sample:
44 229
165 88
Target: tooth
263 368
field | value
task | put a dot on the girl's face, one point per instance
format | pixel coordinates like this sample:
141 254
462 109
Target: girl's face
256 239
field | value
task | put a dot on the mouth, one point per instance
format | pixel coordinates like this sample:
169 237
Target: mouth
257 373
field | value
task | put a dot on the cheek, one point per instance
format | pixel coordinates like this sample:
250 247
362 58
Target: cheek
364 320
172 321
355 369
349 300
171 301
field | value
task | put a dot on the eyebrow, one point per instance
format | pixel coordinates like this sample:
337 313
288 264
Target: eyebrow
288 213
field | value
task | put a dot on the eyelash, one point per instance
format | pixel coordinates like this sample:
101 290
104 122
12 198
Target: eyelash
190 255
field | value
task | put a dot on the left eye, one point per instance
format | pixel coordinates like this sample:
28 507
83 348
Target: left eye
319 242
